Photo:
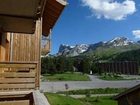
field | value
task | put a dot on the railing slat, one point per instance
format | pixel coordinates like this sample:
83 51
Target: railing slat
17 66
16 80
18 75
21 102
16 86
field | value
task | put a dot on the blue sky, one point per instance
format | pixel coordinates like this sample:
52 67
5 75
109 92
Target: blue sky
91 21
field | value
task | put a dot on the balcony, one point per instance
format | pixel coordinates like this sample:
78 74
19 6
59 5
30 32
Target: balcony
18 76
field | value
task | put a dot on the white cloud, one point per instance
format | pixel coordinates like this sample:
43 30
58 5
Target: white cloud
111 9
136 33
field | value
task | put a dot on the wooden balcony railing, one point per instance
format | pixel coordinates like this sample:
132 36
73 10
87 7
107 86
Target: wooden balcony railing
23 98
18 76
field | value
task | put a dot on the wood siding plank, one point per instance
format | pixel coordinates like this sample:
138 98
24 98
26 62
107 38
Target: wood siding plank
17 86
22 102
16 80
18 75
17 66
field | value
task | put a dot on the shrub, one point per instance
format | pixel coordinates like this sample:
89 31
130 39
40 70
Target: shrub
88 93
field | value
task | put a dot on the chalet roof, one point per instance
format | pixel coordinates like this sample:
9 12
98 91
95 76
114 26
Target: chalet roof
21 15
129 91
52 11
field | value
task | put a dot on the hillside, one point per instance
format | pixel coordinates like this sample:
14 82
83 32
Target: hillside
133 55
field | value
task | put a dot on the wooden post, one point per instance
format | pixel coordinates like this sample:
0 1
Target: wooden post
39 53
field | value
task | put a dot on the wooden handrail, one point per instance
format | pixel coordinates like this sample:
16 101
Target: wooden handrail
19 62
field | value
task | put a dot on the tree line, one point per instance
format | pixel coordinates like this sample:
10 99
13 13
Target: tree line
61 64
83 64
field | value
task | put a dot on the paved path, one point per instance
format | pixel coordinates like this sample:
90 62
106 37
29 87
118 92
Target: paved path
94 78
95 83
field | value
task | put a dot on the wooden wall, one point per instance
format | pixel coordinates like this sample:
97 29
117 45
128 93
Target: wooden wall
129 67
132 98
26 47
22 48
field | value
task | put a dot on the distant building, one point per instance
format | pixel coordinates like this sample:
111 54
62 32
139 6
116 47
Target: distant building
122 67
129 97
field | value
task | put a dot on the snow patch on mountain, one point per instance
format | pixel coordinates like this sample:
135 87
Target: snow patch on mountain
67 50
120 41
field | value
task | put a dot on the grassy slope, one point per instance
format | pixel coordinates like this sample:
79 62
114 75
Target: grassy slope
112 78
67 77
55 99
115 77
94 91
100 101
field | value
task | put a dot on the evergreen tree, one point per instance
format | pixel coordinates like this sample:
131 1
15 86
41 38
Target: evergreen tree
69 65
85 65
60 65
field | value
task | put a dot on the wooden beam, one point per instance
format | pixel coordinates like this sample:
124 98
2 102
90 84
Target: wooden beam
17 65
18 75
17 86
15 93
22 102
16 80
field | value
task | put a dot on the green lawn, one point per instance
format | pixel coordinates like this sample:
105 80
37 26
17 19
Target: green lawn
55 99
115 77
112 78
66 77
94 91
99 101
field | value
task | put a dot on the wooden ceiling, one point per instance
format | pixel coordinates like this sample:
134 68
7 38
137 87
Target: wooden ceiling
19 16
19 8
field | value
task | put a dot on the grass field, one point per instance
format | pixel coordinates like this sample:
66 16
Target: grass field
109 78
99 101
115 77
55 99
94 91
66 77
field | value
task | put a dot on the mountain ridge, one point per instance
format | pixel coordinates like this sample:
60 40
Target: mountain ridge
78 49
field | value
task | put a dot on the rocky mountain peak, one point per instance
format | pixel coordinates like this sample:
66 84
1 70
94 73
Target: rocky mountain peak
120 41
67 50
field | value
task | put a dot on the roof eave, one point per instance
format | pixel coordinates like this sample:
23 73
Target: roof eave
127 92
52 12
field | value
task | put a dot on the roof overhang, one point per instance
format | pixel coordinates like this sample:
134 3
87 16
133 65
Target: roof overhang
127 92
52 11
19 16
